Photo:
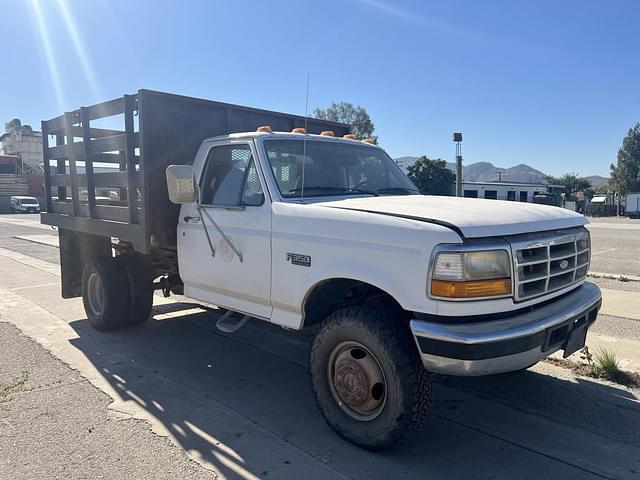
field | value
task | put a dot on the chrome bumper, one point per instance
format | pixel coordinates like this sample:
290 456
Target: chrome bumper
508 343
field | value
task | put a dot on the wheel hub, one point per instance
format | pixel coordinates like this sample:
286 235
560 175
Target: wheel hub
357 381
96 294
351 382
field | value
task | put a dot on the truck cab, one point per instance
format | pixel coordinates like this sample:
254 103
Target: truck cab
323 232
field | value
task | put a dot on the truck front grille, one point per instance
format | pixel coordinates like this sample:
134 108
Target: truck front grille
550 262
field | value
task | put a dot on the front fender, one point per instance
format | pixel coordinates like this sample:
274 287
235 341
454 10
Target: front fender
388 253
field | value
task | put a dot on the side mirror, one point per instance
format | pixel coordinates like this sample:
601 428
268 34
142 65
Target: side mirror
181 183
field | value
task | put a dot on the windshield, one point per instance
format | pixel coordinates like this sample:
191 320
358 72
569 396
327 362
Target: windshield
28 201
332 168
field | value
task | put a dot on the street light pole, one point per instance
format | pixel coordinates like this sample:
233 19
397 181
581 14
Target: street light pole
457 138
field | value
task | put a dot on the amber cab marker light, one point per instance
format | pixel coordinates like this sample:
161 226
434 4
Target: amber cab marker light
369 140
471 289
299 130
264 128
350 136
328 133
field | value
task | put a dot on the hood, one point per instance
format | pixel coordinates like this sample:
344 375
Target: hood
471 217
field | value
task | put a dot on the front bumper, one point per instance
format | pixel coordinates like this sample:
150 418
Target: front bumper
507 343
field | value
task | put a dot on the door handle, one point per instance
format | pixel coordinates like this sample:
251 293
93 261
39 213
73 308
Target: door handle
190 219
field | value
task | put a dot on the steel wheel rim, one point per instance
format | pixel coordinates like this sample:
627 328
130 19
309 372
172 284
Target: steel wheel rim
95 291
357 381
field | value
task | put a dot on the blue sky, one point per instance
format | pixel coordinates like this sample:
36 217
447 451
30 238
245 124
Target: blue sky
547 83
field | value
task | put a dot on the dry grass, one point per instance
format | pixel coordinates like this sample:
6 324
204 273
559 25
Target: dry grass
14 386
606 360
603 364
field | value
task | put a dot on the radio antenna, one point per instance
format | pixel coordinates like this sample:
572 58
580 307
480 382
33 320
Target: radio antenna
304 140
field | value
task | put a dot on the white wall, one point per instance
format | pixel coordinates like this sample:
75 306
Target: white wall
503 189
632 202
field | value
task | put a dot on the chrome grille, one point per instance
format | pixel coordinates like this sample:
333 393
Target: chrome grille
550 262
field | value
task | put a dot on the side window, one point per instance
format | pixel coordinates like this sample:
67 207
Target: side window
231 178
252 191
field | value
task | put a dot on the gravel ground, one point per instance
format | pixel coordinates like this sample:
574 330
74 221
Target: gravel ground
56 425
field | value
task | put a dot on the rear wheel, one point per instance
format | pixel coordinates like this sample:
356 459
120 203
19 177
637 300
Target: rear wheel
105 293
140 284
367 377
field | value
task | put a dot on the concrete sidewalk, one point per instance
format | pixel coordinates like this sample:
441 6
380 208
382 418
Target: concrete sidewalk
614 225
620 303
54 424
627 351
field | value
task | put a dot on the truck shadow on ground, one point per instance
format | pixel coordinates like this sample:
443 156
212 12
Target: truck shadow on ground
225 398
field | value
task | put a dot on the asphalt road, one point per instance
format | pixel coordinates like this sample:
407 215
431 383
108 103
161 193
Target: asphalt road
616 246
241 407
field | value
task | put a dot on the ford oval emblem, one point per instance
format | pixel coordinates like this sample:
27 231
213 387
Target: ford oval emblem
564 264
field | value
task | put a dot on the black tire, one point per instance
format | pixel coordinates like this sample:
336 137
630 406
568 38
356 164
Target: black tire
407 395
140 284
105 293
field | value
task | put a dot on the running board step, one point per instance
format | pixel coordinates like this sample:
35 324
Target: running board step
231 322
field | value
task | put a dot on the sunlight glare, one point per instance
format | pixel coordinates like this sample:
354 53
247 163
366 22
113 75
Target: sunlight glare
48 51
78 44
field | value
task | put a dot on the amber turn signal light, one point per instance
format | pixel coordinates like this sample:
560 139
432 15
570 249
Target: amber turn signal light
471 289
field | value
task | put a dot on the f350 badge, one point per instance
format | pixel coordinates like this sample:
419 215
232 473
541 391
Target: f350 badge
299 259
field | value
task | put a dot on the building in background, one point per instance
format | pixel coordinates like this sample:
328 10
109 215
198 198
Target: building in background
9 164
23 142
513 191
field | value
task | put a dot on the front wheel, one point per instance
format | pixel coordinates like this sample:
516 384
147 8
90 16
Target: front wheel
367 377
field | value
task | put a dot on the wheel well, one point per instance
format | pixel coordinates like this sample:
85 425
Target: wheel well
330 295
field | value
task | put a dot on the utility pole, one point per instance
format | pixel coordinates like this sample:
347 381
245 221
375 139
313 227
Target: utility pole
457 139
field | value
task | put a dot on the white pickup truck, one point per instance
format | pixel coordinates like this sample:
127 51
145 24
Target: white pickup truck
323 232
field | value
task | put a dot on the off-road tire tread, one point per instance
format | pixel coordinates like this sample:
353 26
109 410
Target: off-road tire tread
396 338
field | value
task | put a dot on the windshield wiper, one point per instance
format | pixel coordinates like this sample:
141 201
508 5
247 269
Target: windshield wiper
404 190
333 189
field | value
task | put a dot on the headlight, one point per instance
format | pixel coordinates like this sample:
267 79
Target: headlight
471 274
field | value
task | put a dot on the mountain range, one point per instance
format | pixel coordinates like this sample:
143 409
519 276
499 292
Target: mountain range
487 172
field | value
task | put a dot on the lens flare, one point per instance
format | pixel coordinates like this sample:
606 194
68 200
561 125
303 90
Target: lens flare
48 52
78 44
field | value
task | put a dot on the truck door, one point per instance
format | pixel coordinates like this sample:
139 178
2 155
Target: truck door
231 268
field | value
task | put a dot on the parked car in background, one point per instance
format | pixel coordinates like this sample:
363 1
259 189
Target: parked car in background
632 205
21 204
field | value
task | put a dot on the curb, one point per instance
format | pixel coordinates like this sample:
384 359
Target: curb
615 276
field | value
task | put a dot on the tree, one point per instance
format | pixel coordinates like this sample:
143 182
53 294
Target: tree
572 184
432 176
625 176
356 117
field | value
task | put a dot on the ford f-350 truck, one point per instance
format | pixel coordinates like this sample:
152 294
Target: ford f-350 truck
294 221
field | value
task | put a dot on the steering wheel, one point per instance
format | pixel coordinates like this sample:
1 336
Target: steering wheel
360 184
